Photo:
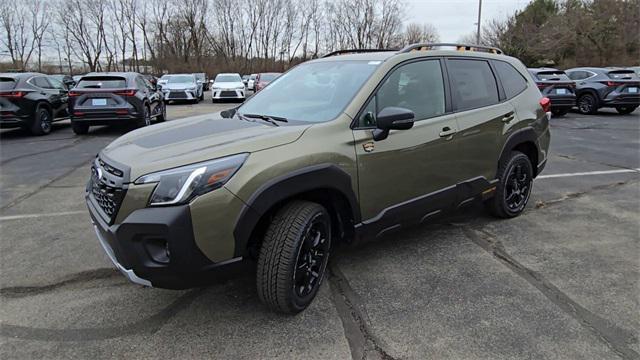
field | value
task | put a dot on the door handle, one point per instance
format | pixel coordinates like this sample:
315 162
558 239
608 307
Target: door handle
447 131
508 117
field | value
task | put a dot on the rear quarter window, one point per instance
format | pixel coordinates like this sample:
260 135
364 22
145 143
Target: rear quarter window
472 84
7 83
102 82
512 80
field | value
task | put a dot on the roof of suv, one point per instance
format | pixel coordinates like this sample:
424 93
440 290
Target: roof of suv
112 73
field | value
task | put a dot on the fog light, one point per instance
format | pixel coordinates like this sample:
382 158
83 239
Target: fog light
158 250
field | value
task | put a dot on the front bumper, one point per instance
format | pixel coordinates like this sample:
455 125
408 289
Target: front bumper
177 95
217 94
156 247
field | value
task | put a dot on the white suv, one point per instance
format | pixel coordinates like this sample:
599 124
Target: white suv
228 86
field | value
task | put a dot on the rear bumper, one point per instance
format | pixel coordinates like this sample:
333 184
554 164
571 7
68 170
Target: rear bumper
156 247
562 101
108 116
616 98
9 121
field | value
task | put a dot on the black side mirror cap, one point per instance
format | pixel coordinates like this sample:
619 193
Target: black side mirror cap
392 118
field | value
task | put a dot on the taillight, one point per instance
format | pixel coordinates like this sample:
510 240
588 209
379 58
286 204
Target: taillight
13 94
128 92
541 86
74 93
545 102
612 83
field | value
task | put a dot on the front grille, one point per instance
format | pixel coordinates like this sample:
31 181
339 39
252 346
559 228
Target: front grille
228 93
107 197
177 95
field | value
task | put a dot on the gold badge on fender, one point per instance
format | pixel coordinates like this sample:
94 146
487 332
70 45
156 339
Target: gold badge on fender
368 147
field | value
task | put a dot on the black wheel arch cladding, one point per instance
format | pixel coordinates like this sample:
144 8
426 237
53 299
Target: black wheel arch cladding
525 141
274 192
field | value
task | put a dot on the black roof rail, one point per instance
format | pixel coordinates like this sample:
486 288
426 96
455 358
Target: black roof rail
355 51
459 47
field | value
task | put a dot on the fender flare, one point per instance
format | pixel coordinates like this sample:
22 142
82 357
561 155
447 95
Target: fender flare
322 176
520 136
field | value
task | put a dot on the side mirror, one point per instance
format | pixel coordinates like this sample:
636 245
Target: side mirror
392 118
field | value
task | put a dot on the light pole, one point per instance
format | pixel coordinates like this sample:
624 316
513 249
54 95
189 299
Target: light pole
479 17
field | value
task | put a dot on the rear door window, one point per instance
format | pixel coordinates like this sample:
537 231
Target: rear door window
102 82
41 82
417 86
472 84
7 83
512 81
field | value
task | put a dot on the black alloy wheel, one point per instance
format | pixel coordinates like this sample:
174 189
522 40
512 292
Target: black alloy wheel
311 257
587 104
515 181
41 122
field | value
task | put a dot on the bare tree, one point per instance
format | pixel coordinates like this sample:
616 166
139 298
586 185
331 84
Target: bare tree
420 33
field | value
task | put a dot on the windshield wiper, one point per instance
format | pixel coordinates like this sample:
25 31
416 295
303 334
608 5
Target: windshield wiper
268 118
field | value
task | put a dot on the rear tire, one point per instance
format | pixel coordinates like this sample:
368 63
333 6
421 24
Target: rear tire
587 104
163 113
145 120
79 128
624 110
293 257
515 180
42 120
560 111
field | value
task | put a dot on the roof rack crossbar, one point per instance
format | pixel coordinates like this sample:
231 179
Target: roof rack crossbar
461 47
355 51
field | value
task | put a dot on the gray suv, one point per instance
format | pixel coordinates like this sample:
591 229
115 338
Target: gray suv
606 87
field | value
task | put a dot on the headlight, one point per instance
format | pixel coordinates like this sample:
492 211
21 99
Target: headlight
240 87
180 185
192 89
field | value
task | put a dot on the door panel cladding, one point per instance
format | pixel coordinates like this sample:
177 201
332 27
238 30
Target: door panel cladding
407 213
472 188
316 177
524 135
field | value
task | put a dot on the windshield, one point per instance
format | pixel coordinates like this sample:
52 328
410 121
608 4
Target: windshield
228 78
321 91
180 79
268 77
106 82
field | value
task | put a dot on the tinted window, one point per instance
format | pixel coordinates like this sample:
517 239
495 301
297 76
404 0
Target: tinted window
623 75
41 82
7 83
554 75
57 84
472 84
512 81
102 82
418 86
141 83
321 91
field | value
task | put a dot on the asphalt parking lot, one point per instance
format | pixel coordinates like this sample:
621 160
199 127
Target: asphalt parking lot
561 281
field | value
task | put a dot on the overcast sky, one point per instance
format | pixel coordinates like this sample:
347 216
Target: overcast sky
455 18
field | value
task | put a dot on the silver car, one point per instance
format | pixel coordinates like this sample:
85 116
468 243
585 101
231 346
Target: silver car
228 86
182 87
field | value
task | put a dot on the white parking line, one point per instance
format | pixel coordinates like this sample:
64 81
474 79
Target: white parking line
589 173
27 216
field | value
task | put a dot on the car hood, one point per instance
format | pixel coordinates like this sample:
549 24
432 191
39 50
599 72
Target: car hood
194 139
228 85
178 86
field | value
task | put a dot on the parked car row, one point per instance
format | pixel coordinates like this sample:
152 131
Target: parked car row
589 89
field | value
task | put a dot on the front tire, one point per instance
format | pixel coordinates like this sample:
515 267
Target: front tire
515 180
163 113
293 257
587 104
624 110
42 120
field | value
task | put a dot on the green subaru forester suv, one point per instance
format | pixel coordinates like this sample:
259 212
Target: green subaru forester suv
351 146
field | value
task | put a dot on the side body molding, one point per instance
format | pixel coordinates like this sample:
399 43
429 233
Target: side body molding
315 177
